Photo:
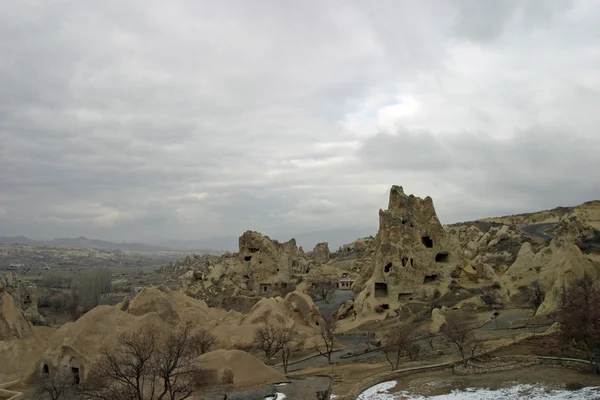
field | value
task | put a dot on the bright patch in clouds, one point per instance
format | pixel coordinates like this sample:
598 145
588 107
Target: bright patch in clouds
153 120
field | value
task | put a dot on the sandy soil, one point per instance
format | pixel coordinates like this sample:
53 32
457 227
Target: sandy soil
443 382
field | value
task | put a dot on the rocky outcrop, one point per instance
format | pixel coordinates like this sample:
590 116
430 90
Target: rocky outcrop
77 344
13 322
554 267
25 296
262 267
489 246
237 370
320 254
413 257
437 320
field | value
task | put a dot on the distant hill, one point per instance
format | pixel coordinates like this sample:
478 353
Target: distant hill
84 243
308 240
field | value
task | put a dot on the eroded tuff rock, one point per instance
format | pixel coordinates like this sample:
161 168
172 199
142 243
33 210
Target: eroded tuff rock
320 254
25 296
77 344
555 267
490 247
13 322
413 257
262 267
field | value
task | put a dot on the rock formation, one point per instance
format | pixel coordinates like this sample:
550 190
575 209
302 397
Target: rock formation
413 257
238 370
25 296
76 344
320 254
554 267
262 267
490 247
13 322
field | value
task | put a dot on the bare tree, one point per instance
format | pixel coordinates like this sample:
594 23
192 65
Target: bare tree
202 340
125 370
54 387
430 340
142 365
395 345
368 339
460 332
536 296
324 344
288 339
413 351
175 364
267 339
580 318
323 281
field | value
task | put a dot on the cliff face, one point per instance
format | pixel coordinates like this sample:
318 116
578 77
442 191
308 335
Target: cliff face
413 256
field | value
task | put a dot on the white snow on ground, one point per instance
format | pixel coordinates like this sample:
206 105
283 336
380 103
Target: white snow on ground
279 396
281 384
517 392
377 392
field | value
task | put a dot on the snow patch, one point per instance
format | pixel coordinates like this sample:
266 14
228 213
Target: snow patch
517 392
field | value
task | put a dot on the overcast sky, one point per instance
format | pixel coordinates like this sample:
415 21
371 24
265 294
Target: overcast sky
151 119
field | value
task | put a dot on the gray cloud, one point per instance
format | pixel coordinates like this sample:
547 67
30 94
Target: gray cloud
151 120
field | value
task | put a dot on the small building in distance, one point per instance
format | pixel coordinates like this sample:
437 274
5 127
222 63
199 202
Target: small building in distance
346 282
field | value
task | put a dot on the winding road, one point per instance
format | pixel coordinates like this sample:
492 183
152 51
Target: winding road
538 230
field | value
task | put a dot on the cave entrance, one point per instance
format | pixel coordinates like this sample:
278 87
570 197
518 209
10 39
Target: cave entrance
427 241
404 296
404 261
381 289
385 306
45 370
247 258
442 257
430 278
388 267
76 378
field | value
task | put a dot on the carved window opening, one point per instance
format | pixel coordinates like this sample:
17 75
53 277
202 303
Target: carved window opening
442 257
381 289
388 268
427 241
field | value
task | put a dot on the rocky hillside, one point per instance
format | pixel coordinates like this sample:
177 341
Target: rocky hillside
414 264
262 267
